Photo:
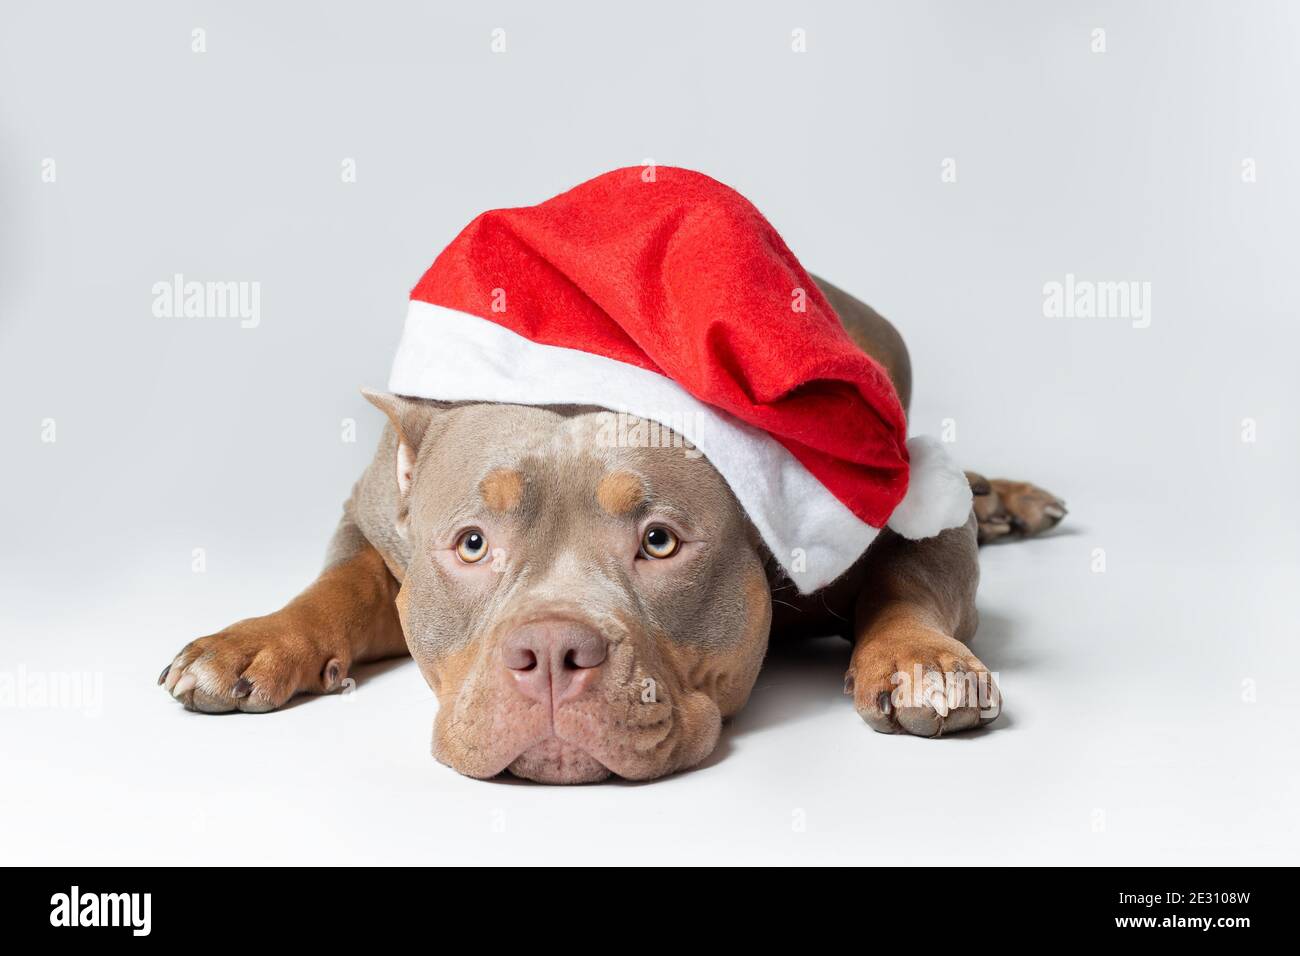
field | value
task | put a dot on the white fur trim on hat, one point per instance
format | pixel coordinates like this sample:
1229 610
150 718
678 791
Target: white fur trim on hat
450 355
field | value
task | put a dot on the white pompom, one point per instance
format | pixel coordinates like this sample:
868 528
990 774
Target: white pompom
938 494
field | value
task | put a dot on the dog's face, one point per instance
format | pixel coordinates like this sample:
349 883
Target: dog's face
579 607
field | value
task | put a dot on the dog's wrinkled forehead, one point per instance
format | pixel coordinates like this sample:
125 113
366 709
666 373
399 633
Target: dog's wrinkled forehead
541 466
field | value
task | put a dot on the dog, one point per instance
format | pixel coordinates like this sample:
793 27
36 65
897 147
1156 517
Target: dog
583 609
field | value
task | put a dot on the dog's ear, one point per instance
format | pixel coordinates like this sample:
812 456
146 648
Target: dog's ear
410 418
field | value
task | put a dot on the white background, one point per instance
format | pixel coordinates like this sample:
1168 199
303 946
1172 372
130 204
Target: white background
1151 712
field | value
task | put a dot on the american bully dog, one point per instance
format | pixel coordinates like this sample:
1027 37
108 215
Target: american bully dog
584 607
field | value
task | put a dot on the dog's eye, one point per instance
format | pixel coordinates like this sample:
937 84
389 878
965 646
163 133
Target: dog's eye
471 546
658 542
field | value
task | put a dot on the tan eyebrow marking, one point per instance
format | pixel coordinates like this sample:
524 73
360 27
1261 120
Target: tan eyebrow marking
502 489
620 492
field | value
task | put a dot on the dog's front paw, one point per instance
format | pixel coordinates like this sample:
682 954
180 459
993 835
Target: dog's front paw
254 666
923 683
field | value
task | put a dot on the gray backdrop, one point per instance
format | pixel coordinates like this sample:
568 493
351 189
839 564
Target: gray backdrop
1169 158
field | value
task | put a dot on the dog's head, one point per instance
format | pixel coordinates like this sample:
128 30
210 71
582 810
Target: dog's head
582 601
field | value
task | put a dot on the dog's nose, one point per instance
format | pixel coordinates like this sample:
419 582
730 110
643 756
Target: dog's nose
553 660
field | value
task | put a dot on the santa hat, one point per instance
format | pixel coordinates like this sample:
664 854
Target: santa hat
666 295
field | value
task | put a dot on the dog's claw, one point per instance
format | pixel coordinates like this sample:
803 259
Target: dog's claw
939 702
243 687
163 676
184 685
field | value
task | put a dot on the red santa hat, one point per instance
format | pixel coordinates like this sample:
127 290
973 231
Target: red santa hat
669 297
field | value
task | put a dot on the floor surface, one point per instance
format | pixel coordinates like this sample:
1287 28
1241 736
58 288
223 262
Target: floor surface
1131 735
